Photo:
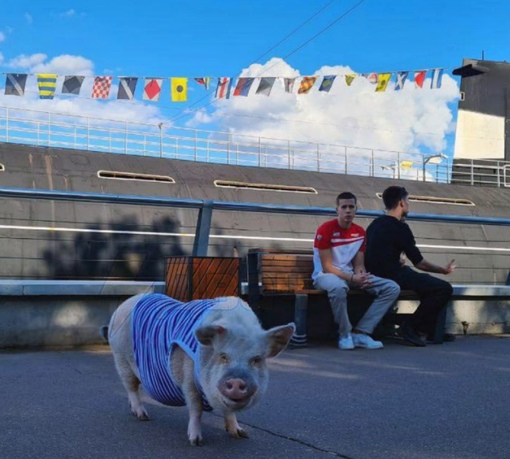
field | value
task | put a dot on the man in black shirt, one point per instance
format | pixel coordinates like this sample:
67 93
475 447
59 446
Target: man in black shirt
388 237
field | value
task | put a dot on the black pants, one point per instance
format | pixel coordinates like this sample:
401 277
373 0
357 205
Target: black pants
434 295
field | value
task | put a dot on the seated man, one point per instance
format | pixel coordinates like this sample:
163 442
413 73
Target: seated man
388 237
338 257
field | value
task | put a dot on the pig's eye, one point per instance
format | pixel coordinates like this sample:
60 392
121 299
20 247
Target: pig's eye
224 358
256 360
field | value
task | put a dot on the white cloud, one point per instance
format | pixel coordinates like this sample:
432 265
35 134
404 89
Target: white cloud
68 14
2 37
410 120
28 18
26 62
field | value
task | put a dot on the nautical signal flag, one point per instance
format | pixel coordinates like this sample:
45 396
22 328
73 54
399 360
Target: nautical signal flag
306 84
350 78
179 89
206 81
15 84
101 88
47 83
382 82
419 78
401 79
223 88
72 84
289 84
437 75
152 89
327 82
127 86
243 86
265 86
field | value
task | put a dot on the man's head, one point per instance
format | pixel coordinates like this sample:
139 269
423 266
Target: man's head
346 208
396 200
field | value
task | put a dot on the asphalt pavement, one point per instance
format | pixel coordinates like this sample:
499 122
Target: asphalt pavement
443 401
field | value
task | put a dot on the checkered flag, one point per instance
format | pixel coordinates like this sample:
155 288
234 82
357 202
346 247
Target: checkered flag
102 85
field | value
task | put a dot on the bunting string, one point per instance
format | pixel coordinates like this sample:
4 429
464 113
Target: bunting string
226 87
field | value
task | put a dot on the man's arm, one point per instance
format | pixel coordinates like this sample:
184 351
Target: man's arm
328 267
429 267
358 263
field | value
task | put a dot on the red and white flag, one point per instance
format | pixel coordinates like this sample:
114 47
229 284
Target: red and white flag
102 85
152 89
419 78
223 88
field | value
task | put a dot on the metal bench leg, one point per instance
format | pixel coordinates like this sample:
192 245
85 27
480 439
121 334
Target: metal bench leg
300 311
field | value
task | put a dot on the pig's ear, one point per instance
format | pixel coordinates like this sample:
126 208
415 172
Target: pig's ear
206 335
278 338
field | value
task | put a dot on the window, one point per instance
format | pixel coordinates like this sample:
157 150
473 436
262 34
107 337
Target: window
264 187
117 175
436 200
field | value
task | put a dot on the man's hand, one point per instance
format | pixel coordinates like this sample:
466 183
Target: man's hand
450 267
362 280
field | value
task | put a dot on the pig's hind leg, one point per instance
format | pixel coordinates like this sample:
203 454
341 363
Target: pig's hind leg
132 385
232 426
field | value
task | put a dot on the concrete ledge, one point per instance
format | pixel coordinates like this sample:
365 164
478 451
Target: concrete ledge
77 288
36 314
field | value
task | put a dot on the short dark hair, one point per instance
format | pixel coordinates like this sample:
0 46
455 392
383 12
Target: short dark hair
345 195
392 195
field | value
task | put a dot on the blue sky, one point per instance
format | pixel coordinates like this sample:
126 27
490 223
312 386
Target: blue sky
203 38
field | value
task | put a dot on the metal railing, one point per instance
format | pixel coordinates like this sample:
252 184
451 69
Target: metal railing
206 208
61 130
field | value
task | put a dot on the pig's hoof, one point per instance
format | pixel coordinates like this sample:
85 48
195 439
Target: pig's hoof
239 433
141 415
197 441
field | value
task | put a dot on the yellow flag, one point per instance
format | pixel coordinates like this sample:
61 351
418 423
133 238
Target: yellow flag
382 82
406 165
350 78
47 83
179 89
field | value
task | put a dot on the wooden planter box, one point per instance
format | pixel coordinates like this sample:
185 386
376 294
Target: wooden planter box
194 278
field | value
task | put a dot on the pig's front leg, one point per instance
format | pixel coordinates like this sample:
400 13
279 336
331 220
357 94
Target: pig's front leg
183 371
232 426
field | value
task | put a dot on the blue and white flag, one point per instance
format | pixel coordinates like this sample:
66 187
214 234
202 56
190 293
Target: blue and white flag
401 79
437 75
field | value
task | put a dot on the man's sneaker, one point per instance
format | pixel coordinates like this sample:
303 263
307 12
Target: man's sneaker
447 338
365 341
410 335
346 343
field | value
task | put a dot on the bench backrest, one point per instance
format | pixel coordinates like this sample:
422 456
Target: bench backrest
280 273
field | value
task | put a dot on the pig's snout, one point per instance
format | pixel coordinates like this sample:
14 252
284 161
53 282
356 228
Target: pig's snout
237 390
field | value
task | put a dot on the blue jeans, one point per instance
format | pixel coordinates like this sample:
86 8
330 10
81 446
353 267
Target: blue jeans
385 291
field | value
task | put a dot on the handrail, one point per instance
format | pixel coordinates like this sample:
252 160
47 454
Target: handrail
206 207
51 129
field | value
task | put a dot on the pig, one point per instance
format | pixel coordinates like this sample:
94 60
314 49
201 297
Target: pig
205 354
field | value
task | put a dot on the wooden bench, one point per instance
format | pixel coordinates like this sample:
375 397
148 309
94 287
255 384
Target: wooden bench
274 273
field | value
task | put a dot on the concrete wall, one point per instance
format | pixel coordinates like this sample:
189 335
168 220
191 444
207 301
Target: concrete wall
35 314
61 313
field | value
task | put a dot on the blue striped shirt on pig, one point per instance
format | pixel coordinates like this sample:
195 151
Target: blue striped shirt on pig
158 324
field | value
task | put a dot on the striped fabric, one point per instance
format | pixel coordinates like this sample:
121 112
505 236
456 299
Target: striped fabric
47 83
158 324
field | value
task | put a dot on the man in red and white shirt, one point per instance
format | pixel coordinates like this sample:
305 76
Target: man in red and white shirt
339 264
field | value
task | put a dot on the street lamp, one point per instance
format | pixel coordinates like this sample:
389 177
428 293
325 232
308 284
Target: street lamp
433 159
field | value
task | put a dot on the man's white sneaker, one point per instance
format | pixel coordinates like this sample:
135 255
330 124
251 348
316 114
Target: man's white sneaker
346 343
362 340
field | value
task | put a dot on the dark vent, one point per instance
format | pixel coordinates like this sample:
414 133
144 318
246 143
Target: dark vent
2 167
264 186
116 175
436 200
